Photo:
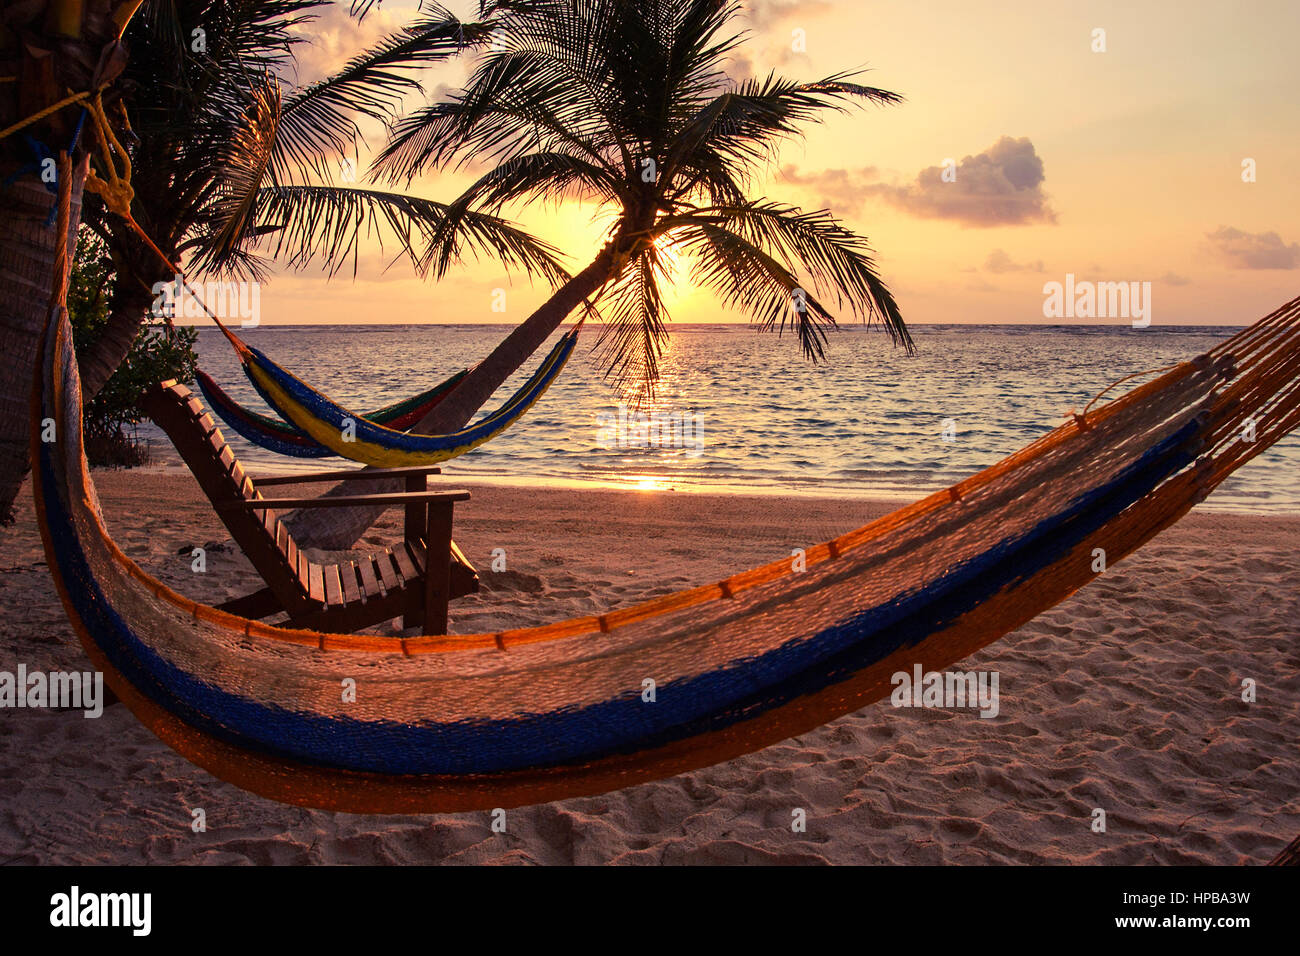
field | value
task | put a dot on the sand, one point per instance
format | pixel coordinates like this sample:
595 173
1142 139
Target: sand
1126 698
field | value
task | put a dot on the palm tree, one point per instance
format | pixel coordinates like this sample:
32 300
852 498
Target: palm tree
626 103
46 50
226 153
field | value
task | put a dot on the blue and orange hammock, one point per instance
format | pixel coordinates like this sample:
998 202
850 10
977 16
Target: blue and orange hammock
536 714
280 437
315 425
473 721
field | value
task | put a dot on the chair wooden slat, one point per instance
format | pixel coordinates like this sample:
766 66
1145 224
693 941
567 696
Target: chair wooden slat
387 570
348 576
333 586
369 582
316 582
416 550
402 557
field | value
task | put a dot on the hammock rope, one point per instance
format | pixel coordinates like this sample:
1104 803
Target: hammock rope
39 115
523 716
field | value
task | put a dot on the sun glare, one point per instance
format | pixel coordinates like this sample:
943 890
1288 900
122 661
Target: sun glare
676 284
650 483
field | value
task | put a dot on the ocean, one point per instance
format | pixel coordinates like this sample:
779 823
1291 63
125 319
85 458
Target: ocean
739 411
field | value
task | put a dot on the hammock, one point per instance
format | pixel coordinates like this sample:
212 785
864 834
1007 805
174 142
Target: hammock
285 439
361 439
524 716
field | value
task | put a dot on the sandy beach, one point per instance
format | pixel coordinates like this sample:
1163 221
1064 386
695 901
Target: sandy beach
1126 697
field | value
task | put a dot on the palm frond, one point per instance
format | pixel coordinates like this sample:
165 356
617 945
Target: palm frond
836 260
747 124
550 175
530 177
241 169
513 105
320 120
632 340
746 277
327 223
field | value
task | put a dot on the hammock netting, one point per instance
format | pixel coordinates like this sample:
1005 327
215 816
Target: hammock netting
473 721
367 440
281 437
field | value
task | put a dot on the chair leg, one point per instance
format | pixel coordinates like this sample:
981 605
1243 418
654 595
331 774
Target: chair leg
414 526
414 513
437 568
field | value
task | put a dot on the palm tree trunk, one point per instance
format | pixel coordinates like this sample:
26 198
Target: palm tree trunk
51 48
484 379
130 304
26 276
339 528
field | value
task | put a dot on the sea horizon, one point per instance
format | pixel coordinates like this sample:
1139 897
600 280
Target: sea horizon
844 428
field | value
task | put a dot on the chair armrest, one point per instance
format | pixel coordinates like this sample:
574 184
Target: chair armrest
345 474
346 501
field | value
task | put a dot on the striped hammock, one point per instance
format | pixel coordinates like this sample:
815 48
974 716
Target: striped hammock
524 716
286 439
370 442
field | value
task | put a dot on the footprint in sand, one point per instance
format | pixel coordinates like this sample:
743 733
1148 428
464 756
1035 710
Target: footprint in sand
512 581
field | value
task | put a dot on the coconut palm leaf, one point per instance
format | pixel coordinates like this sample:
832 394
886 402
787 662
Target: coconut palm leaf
537 175
748 123
315 126
745 276
240 171
635 332
837 260
326 224
509 110
319 121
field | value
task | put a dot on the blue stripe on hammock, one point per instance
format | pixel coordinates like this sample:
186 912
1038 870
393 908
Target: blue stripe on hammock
684 708
259 437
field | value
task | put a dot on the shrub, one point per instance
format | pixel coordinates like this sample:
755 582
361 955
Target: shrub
159 352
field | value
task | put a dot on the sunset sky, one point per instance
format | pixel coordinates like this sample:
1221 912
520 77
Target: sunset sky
1140 149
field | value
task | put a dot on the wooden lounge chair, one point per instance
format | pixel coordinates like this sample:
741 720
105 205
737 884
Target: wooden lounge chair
414 579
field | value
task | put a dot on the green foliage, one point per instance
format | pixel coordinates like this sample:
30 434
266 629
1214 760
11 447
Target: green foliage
89 288
158 353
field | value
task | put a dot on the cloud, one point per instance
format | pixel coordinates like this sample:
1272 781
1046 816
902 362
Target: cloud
842 191
1254 250
739 67
772 32
765 13
1002 186
999 262
332 36
1173 278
